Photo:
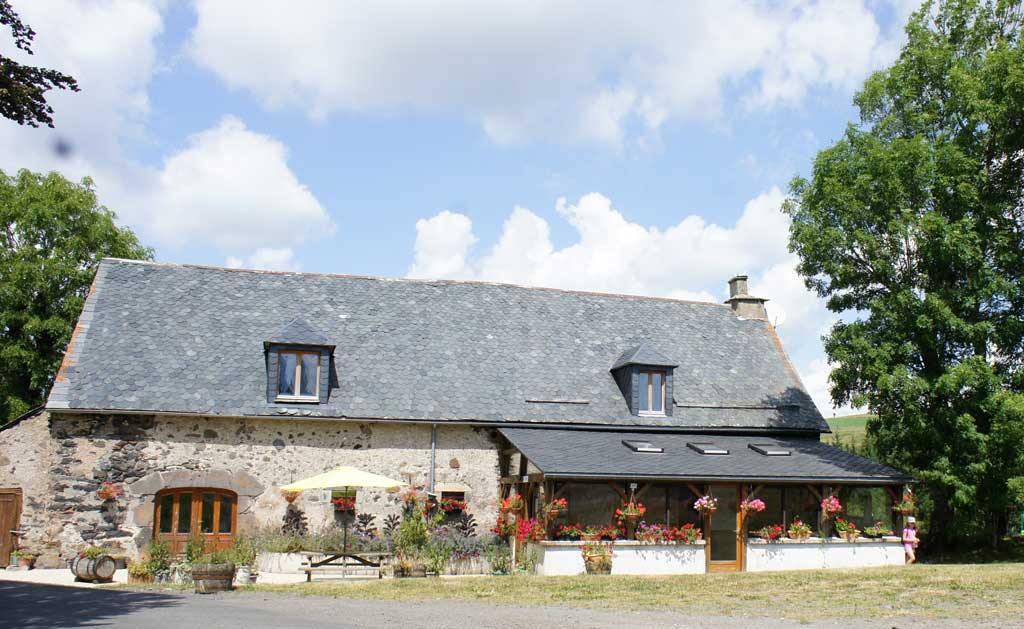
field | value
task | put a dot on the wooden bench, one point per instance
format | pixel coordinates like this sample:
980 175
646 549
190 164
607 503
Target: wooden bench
343 563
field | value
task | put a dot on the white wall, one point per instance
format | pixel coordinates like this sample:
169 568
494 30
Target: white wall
628 557
815 554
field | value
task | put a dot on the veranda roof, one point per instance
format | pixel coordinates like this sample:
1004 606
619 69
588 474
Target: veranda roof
341 478
602 454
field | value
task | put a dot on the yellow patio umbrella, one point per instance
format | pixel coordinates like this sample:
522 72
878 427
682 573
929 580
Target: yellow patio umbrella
344 477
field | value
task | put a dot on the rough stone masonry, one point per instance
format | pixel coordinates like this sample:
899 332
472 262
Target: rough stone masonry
61 461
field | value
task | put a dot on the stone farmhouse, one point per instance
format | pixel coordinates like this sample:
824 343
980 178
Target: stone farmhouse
201 391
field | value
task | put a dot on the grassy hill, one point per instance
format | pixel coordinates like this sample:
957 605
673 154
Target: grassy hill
849 429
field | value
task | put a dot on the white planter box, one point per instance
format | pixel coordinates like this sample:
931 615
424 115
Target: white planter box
628 557
279 562
816 554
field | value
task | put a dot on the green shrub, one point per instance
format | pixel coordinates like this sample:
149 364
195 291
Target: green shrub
159 557
243 551
194 547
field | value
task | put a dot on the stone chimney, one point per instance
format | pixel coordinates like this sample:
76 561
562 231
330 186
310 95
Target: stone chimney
744 304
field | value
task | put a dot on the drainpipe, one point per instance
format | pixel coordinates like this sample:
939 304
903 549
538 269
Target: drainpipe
433 454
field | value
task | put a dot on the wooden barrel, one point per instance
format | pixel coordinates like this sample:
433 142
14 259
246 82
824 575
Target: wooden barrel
213 577
98 570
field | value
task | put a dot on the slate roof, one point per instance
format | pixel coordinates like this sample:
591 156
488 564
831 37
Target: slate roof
190 340
298 331
561 453
643 355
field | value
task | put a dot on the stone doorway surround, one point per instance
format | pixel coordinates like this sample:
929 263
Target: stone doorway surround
141 496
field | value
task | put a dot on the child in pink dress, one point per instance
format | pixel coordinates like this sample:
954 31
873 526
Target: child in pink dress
910 539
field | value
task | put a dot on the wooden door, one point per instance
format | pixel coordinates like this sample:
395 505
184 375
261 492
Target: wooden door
725 543
10 520
195 512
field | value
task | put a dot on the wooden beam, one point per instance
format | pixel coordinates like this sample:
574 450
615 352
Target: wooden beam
753 492
561 490
523 465
640 492
814 490
618 490
693 488
515 480
509 451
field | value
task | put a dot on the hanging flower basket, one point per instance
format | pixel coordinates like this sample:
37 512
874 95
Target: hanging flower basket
907 505
109 491
344 503
831 506
290 496
555 508
755 505
706 505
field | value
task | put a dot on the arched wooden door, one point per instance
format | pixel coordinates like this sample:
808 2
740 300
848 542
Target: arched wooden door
191 511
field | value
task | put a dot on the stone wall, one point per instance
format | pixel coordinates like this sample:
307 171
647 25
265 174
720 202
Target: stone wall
60 461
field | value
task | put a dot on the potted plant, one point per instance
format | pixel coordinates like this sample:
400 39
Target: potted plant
109 491
159 563
93 564
878 530
847 530
512 504
139 573
651 532
687 533
831 506
630 512
752 505
569 532
213 572
907 504
243 555
452 506
770 533
344 504
706 505
798 530
597 557
530 530
290 496
555 508
24 559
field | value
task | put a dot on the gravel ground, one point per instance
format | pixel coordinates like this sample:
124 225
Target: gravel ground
35 606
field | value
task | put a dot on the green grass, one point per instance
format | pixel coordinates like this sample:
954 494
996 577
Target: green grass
968 592
848 429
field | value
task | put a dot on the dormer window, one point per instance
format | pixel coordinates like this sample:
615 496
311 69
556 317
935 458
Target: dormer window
299 376
652 392
644 376
299 365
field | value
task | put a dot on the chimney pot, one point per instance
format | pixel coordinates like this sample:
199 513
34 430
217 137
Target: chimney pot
743 303
738 285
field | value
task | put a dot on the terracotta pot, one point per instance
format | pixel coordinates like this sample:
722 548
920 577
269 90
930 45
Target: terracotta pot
25 562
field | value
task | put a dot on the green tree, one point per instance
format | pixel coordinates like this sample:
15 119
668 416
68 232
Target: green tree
23 88
54 235
912 227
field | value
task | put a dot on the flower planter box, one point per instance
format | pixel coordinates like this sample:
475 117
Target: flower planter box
816 553
628 557
213 577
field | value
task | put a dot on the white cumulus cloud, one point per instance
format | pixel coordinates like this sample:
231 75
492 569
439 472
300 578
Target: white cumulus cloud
266 259
580 71
233 187
691 260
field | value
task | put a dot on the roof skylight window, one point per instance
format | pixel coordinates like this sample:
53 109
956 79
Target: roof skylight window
641 446
768 449
706 447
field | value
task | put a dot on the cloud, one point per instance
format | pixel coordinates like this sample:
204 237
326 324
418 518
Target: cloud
690 260
233 187
266 259
229 188
577 71
442 243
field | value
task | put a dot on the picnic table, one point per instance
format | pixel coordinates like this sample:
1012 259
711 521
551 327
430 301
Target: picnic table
331 560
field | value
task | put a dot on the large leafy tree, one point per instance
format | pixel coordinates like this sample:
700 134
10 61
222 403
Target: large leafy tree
54 233
912 226
23 88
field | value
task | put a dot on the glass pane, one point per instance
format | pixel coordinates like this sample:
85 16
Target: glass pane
645 392
227 507
286 375
184 513
723 526
309 374
657 394
206 521
166 513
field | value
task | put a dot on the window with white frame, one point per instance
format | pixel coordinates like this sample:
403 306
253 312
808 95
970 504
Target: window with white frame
298 376
652 392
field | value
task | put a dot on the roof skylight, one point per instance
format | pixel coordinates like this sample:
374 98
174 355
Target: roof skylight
706 447
768 449
642 446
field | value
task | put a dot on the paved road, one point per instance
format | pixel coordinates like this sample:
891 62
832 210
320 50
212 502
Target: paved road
35 606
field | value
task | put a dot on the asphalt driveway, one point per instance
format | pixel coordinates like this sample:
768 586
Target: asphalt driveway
38 606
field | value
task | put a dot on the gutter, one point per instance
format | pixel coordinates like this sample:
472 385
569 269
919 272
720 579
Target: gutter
492 423
892 480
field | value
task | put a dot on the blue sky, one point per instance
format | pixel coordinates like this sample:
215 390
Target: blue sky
588 146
